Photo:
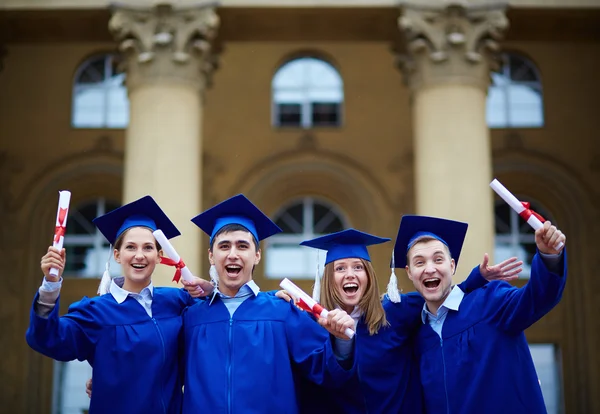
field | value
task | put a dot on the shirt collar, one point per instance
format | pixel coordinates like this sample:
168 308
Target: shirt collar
120 294
452 302
249 288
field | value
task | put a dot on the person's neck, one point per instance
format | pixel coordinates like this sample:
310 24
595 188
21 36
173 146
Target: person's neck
134 287
231 292
347 308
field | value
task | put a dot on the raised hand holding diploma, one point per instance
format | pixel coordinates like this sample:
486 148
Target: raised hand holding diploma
307 303
173 259
532 218
64 199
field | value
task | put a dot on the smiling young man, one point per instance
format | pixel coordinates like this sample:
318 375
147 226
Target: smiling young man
472 351
242 347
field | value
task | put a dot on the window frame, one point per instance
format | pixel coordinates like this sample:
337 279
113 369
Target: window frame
505 91
109 59
306 104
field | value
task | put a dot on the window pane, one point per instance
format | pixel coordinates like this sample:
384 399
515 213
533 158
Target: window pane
93 72
284 257
118 108
546 359
302 83
292 261
515 96
87 249
325 114
502 220
69 387
496 108
88 108
100 96
289 114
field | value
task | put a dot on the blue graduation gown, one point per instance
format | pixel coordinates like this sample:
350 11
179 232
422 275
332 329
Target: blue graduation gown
244 364
482 364
387 375
135 359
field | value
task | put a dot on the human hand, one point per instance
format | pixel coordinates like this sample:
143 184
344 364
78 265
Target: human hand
337 322
198 288
507 270
88 387
53 259
548 238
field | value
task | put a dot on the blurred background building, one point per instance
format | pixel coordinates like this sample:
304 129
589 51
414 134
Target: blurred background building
327 114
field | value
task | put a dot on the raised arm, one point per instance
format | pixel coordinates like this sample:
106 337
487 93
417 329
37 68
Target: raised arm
514 309
62 338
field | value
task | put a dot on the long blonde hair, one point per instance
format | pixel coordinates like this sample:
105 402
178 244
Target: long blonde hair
369 303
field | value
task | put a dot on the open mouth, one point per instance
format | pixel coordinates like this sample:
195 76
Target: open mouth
138 266
432 283
350 288
233 269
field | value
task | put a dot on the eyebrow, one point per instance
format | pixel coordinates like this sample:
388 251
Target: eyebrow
229 242
434 253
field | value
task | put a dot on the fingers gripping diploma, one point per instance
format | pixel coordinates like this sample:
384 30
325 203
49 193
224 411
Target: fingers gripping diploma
198 288
337 323
550 240
53 259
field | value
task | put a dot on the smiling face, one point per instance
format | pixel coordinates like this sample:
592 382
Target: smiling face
350 280
234 255
430 268
137 253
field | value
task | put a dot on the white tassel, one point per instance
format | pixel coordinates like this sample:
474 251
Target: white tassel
214 276
392 287
316 295
106 279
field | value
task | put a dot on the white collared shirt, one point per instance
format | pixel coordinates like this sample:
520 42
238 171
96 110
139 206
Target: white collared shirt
144 298
232 303
452 302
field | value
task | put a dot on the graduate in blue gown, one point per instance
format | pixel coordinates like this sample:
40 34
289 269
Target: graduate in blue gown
387 379
131 335
473 355
242 345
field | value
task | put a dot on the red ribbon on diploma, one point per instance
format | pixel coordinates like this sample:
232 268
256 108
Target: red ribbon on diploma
60 230
316 310
525 214
178 265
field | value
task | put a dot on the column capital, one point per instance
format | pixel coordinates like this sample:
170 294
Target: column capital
165 44
451 42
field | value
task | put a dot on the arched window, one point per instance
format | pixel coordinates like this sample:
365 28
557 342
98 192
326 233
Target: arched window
515 98
514 237
307 93
87 249
99 94
301 220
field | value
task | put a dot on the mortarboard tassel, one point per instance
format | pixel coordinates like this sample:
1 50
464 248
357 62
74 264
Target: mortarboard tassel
214 276
317 287
106 279
392 287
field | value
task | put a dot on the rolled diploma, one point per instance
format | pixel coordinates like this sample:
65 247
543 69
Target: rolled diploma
64 199
298 293
516 205
172 254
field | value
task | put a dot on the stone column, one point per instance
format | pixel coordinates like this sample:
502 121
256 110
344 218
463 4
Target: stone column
168 61
450 52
